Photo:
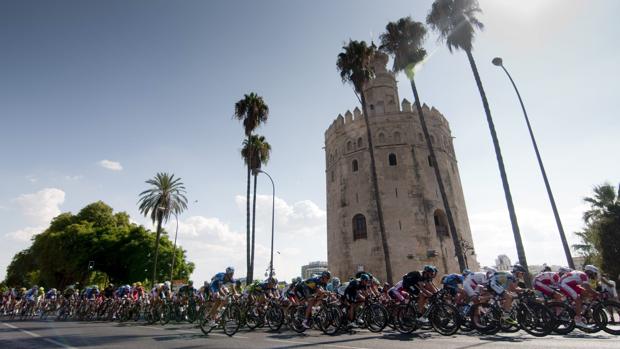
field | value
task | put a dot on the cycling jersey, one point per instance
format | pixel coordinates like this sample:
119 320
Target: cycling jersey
411 280
51 294
451 282
31 294
354 286
474 282
309 287
500 281
570 283
545 282
220 280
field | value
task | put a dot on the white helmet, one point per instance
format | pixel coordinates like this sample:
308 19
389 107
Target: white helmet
230 270
167 284
563 270
490 270
591 268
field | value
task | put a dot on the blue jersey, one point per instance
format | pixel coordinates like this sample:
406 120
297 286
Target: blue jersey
452 280
219 280
51 294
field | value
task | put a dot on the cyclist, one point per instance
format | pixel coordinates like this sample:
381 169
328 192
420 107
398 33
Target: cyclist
219 291
451 283
203 292
353 297
310 287
503 281
420 285
547 282
333 285
31 294
108 292
575 284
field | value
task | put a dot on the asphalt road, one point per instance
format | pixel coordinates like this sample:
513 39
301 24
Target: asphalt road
68 335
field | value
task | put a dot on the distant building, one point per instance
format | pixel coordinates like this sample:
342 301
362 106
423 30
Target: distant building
579 262
502 262
313 268
537 268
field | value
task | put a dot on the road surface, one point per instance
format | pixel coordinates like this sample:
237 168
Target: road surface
70 335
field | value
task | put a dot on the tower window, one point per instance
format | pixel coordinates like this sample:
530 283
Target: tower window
392 159
396 137
349 146
360 142
354 165
359 227
381 138
430 161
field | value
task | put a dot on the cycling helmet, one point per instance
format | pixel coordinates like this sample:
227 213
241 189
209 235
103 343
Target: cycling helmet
430 269
326 274
364 277
35 287
167 284
546 268
490 270
206 284
297 279
95 287
273 280
111 285
335 281
590 268
230 270
517 268
138 284
466 272
191 283
41 289
23 289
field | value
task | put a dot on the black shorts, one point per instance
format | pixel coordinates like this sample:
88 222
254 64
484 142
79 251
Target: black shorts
303 292
413 290
350 295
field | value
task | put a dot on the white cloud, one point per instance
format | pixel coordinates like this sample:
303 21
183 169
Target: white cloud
24 234
111 165
492 234
74 178
40 207
213 244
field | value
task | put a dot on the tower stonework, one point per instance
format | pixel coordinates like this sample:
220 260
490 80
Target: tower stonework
415 222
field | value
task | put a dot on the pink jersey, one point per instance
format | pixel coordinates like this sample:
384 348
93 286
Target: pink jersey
574 278
548 278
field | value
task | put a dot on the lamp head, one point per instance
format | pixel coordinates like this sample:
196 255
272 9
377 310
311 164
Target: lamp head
497 61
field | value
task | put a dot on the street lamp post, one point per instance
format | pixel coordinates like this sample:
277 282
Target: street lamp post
273 206
174 249
498 62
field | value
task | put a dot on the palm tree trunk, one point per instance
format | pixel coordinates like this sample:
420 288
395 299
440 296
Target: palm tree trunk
159 219
248 260
253 221
502 170
375 184
442 190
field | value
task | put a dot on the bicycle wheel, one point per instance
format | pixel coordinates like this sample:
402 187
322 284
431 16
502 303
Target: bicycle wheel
203 323
535 319
485 318
252 317
407 318
275 317
376 317
563 317
231 319
445 319
328 319
610 311
593 318
296 318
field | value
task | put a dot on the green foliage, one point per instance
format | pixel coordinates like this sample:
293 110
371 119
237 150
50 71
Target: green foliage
354 64
256 151
600 239
456 22
403 41
252 111
121 251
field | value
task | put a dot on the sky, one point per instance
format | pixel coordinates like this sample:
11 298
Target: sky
98 96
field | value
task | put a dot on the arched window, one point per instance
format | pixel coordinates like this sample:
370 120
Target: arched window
359 227
441 224
349 146
360 142
392 159
354 165
381 138
397 137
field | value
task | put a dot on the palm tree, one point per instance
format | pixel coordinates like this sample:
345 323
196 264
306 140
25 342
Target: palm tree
252 111
255 153
354 65
604 201
456 22
403 40
166 197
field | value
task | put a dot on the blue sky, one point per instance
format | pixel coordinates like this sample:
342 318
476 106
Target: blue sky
150 86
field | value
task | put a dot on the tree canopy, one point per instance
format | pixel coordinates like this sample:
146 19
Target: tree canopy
122 251
600 239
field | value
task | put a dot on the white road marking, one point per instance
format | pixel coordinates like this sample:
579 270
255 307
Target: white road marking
35 335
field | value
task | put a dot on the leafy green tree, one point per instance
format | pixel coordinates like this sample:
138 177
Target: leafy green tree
255 152
166 197
456 23
122 251
600 239
355 67
403 40
252 111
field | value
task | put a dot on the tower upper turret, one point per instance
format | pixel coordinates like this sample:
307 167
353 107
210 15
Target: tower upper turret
381 93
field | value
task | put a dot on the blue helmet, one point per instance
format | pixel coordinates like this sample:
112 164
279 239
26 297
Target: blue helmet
430 269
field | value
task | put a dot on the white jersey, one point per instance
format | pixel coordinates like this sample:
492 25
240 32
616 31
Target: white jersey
474 279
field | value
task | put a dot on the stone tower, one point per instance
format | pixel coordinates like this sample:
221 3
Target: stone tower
415 222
